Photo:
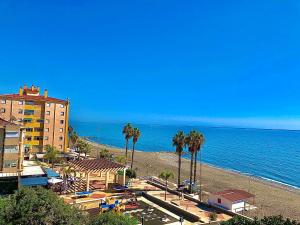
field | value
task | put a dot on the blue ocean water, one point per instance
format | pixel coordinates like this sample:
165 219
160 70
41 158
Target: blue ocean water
269 154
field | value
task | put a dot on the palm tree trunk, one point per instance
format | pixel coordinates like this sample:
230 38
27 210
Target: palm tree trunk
126 153
191 172
166 190
179 169
200 161
132 155
195 167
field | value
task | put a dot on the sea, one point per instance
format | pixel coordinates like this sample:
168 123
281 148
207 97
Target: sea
273 155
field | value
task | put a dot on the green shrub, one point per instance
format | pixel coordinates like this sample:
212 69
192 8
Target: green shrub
213 216
273 220
38 207
114 219
131 174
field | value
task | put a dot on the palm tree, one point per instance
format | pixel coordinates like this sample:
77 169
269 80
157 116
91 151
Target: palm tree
67 171
87 148
179 143
74 138
127 131
166 175
51 154
82 147
190 141
199 141
136 133
120 159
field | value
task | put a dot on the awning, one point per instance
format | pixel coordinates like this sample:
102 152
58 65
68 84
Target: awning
51 173
34 181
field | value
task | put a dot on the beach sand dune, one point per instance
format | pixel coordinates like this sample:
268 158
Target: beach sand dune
271 198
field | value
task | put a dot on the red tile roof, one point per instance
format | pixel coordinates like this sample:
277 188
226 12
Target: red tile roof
32 98
96 165
234 195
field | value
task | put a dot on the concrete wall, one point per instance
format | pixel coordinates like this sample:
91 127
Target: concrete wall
172 208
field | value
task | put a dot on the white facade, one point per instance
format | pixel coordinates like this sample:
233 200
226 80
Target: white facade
226 204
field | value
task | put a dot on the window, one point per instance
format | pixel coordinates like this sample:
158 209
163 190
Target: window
60 146
20 111
46 138
62 113
28 112
10 163
38 138
29 129
62 106
47 121
40 121
47 112
29 103
20 102
20 120
11 149
12 134
38 129
27 120
61 138
61 130
46 129
48 104
61 122
3 101
28 138
2 110
219 201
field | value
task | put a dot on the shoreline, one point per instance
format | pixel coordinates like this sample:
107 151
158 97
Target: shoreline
272 182
271 198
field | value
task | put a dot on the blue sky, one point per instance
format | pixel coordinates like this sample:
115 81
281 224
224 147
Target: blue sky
216 62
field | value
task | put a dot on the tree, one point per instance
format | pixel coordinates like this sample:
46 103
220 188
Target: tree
136 133
38 207
166 175
105 154
112 218
74 139
51 154
128 132
87 148
190 141
80 146
120 159
131 174
199 141
272 220
68 171
179 143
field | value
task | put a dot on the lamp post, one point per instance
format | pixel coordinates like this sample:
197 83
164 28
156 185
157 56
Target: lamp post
143 220
181 220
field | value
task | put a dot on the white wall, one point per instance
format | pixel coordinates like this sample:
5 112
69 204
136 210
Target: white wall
213 200
238 206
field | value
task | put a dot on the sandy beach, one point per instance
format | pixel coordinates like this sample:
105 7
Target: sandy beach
271 198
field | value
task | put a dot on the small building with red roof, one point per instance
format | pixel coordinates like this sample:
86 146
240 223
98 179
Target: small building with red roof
232 199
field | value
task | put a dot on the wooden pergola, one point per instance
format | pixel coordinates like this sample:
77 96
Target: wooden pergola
98 166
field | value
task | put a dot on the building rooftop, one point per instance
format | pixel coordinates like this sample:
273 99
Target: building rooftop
234 195
32 98
96 165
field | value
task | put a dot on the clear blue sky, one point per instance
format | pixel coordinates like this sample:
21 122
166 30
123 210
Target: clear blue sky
217 62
